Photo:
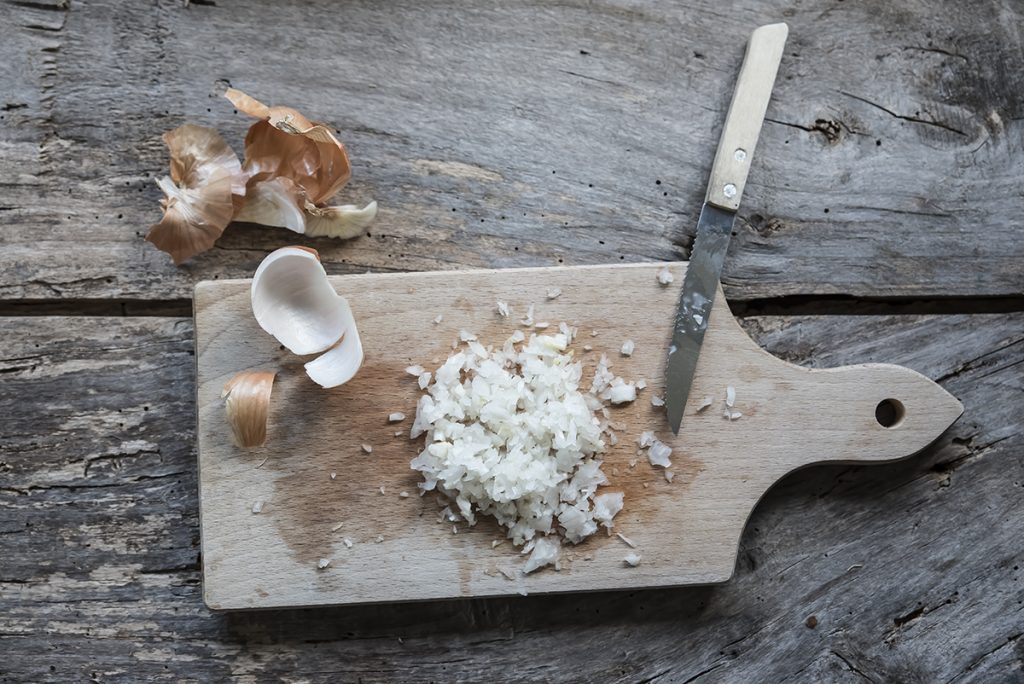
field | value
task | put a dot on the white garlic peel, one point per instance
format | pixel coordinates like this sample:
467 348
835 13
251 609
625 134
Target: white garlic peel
277 202
272 203
339 364
293 301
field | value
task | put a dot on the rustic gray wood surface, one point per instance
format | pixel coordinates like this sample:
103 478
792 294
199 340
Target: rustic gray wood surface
524 133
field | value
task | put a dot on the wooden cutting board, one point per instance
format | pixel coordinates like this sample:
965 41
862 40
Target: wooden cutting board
687 531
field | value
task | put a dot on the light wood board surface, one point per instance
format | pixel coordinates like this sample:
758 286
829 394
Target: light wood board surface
687 531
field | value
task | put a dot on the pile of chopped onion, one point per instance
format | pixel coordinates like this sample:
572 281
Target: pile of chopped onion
510 434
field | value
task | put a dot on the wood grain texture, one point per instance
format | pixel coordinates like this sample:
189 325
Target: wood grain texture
912 570
903 119
687 530
530 134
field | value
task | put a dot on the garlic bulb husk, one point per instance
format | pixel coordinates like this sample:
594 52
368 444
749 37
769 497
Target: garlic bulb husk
286 143
344 221
294 166
293 301
205 188
279 202
274 203
247 404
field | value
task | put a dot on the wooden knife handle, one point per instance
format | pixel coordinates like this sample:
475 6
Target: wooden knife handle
746 114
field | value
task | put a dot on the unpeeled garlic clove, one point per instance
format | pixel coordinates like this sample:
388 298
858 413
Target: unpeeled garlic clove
204 190
293 301
247 403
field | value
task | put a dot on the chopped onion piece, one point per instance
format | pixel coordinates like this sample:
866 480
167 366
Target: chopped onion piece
502 309
466 336
658 454
415 370
347 542
632 559
323 563
627 348
553 293
257 506
606 507
545 552
367 448
620 392
665 276
438 318
656 400
704 403
396 417
730 396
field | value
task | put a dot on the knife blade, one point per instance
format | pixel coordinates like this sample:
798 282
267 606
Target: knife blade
722 200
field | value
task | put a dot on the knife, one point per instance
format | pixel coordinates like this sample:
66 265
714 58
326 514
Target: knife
714 227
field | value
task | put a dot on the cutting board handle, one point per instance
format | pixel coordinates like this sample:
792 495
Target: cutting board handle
864 413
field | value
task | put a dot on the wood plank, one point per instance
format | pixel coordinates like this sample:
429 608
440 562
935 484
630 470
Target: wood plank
912 570
686 530
531 134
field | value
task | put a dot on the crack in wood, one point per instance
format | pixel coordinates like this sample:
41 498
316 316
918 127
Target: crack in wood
911 119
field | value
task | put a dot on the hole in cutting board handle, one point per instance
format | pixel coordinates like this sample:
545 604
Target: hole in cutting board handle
889 413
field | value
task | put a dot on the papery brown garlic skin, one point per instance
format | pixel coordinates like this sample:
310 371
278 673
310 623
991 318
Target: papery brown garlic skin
247 404
202 193
294 167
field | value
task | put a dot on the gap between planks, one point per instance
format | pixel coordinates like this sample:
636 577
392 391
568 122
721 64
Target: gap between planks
791 305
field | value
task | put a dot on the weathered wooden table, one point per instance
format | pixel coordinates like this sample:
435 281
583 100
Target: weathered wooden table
882 222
